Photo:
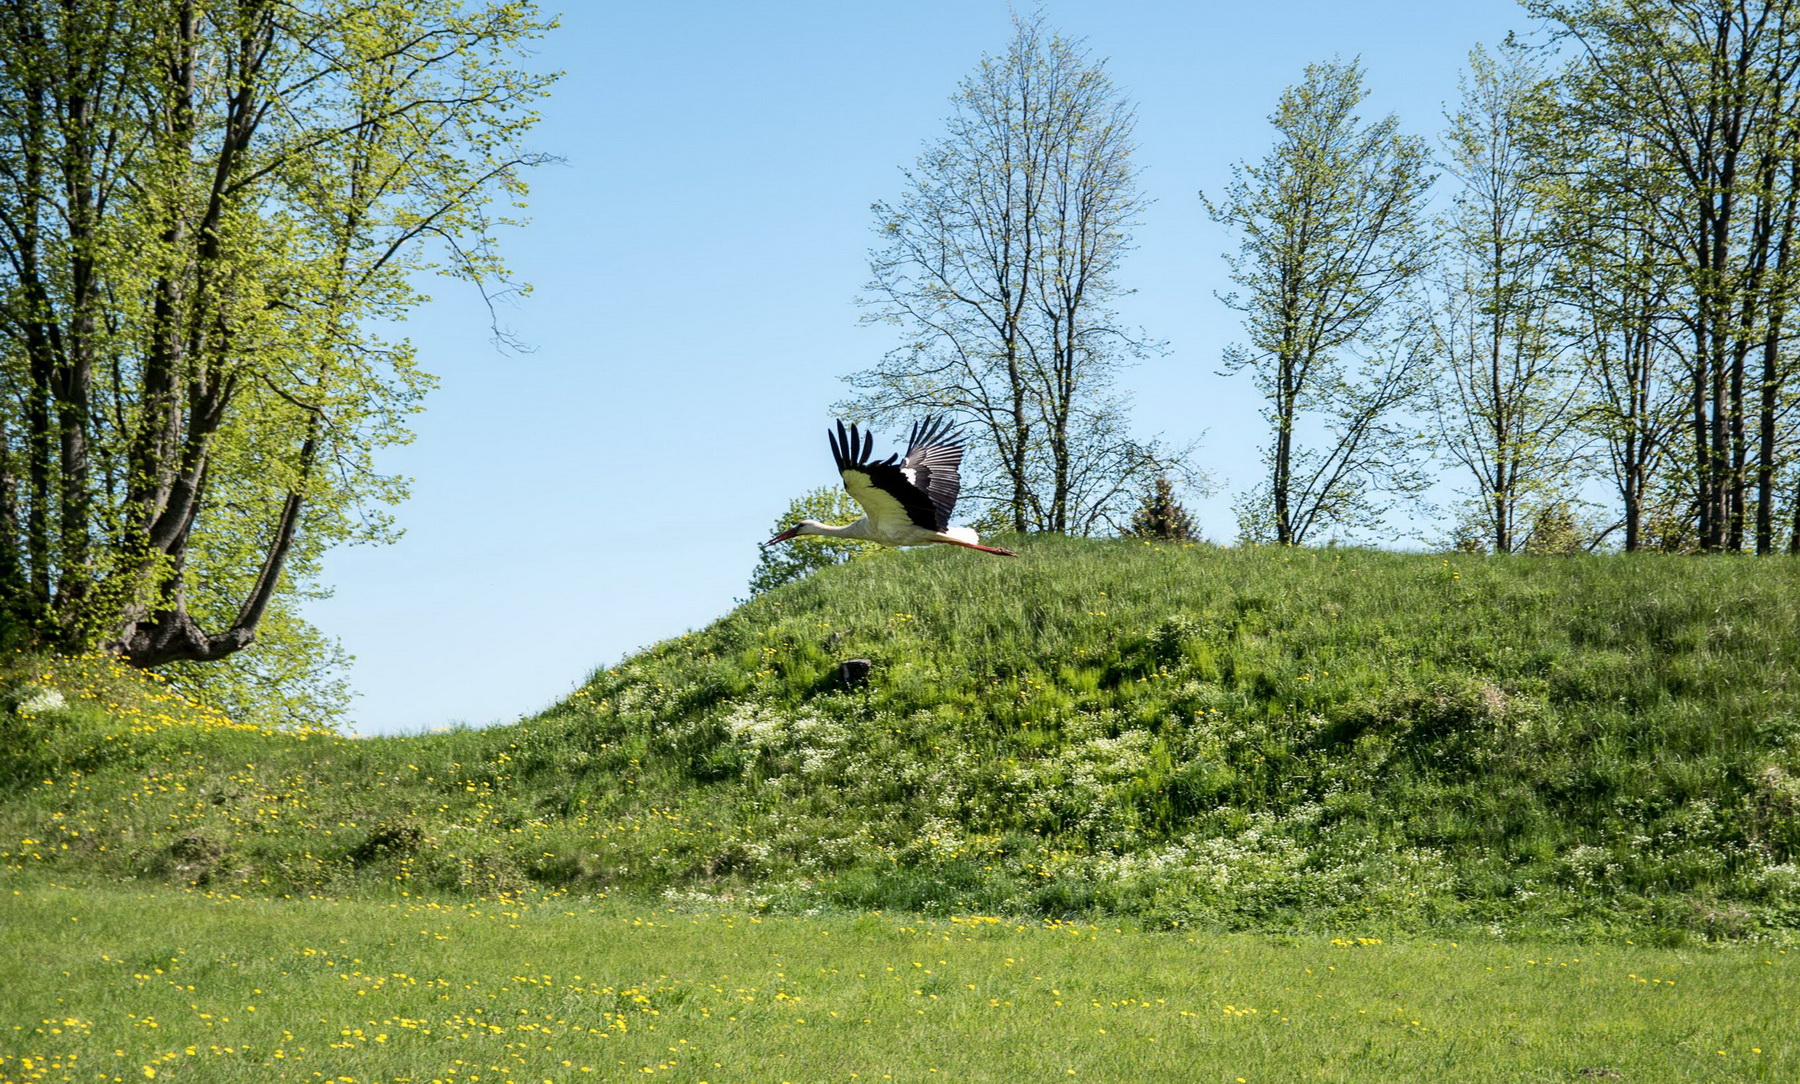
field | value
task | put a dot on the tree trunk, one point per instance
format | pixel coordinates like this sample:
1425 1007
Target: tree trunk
1772 375
171 635
1282 476
12 584
1794 508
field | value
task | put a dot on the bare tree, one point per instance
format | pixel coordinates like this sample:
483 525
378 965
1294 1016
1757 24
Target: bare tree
1505 391
999 263
1621 296
1332 232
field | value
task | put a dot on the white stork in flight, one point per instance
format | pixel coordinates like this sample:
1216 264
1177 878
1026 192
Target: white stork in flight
905 503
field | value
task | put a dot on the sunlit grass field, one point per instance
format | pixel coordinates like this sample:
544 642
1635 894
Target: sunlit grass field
1111 811
123 985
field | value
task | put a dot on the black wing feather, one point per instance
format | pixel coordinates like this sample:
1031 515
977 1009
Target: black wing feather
840 447
932 456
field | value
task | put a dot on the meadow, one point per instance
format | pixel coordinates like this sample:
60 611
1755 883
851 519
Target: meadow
123 985
1111 811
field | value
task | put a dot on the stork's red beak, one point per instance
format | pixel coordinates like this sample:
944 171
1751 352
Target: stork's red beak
782 537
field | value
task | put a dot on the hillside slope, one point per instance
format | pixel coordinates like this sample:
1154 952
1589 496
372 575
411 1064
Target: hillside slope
1188 734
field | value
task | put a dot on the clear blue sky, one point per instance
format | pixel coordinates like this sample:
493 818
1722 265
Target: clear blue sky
696 262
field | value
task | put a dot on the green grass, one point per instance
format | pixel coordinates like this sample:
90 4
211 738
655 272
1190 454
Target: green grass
108 983
1473 819
1305 740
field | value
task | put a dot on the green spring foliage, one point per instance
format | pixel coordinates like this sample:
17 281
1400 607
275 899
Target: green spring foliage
1196 736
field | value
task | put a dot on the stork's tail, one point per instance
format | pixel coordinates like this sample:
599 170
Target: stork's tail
964 536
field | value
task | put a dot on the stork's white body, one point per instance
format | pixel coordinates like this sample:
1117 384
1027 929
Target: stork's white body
891 533
906 503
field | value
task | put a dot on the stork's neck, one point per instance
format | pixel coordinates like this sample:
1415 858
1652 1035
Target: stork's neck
858 529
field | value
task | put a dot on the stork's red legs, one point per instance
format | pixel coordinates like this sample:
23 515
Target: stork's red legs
973 546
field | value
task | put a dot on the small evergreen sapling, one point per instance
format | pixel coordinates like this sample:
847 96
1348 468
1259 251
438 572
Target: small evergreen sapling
1161 516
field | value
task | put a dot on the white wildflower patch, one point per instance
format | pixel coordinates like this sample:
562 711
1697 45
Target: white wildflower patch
1589 866
41 699
757 726
815 744
693 899
1084 784
1260 868
940 839
641 698
1779 881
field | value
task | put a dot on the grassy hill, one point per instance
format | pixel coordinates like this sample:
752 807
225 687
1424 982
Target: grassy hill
1190 735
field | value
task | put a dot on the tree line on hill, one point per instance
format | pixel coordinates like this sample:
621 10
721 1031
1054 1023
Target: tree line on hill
1592 326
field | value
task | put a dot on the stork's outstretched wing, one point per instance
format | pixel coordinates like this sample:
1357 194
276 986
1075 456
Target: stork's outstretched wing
920 491
932 455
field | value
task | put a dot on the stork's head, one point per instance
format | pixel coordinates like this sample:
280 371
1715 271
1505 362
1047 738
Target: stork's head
805 526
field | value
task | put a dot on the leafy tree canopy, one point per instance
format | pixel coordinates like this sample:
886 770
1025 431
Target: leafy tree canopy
205 212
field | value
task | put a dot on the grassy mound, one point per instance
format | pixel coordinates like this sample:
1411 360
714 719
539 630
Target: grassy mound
1191 735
